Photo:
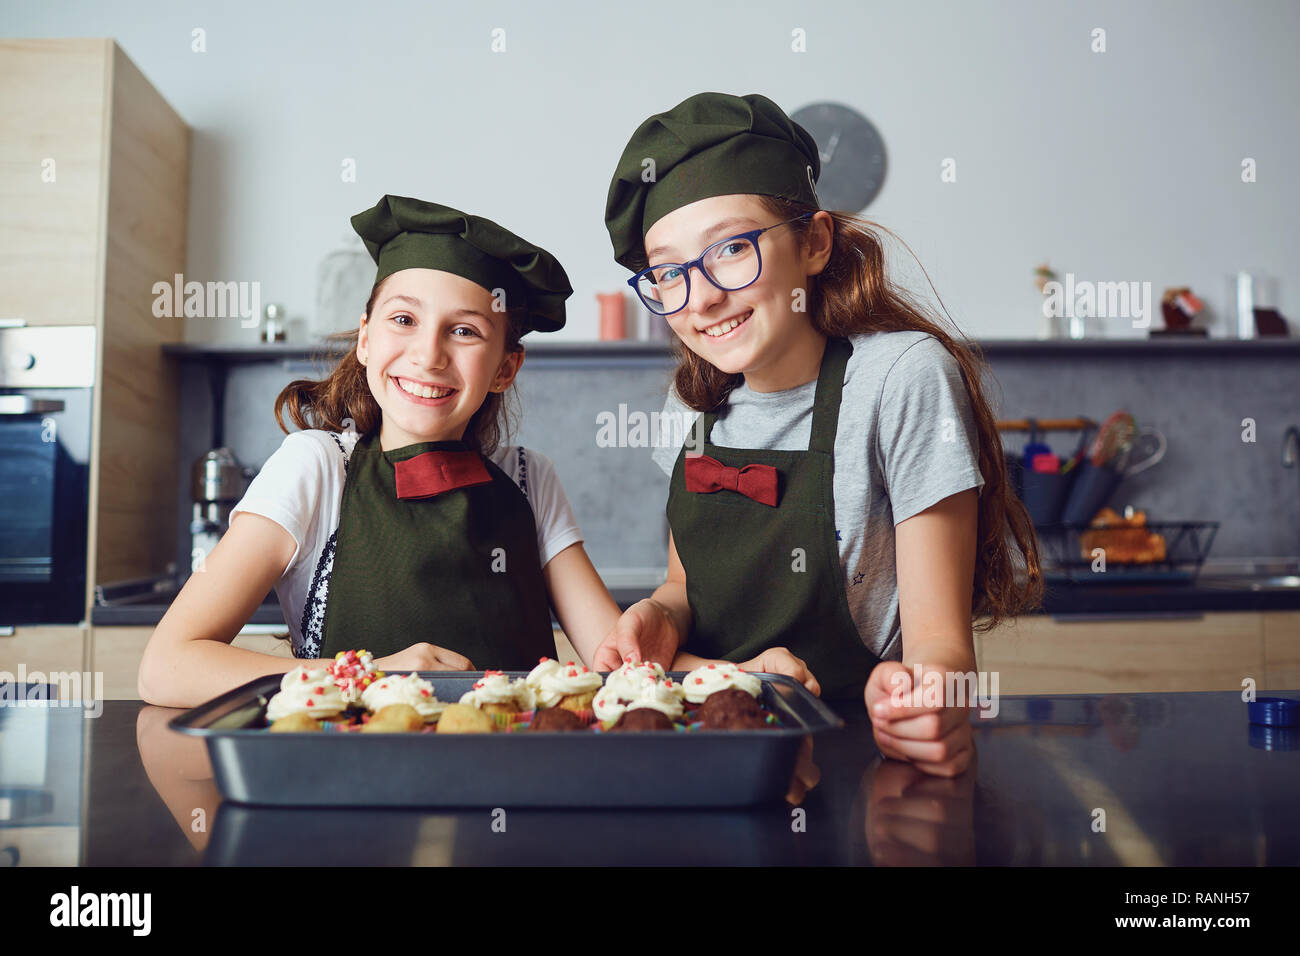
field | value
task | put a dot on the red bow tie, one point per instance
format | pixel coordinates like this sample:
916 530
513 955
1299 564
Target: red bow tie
434 472
706 475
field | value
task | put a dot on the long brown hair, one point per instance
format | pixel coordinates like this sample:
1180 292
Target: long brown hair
345 394
852 295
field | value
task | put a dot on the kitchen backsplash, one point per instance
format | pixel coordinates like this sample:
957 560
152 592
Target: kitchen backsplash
1198 401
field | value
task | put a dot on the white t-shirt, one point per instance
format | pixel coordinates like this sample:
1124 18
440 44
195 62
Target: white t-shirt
906 439
300 488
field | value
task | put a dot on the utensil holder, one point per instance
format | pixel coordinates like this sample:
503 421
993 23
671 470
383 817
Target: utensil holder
1091 492
1044 494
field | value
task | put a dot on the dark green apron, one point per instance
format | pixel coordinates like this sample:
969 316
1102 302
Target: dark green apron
741 556
429 570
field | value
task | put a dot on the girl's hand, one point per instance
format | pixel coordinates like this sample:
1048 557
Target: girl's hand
644 632
424 657
936 739
779 660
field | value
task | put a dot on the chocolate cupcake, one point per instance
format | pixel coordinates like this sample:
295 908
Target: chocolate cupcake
721 719
557 718
642 718
731 700
731 709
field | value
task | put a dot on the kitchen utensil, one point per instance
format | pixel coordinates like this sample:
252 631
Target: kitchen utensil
1115 432
1033 446
273 323
1187 544
1124 462
217 482
1079 451
1091 491
665 769
613 315
1045 492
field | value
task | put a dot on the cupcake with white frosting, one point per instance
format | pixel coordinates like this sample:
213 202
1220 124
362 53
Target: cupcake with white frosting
545 665
635 685
496 694
353 672
309 692
409 689
708 679
570 686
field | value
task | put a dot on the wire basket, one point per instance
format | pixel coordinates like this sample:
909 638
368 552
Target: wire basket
1187 544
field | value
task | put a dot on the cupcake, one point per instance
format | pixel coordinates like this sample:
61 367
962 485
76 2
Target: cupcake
733 720
465 719
409 689
636 719
297 722
710 678
638 684
394 719
557 719
495 693
309 692
544 666
570 686
353 672
731 709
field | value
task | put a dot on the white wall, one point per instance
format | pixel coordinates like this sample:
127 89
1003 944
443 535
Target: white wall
1123 165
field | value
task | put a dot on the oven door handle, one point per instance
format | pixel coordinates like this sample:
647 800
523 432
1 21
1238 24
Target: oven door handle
23 405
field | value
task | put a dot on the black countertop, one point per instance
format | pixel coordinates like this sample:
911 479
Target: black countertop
1182 779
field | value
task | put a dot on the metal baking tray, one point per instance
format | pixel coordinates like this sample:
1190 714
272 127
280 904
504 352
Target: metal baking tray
697 768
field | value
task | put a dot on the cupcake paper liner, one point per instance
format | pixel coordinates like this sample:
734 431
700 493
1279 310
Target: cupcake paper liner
514 723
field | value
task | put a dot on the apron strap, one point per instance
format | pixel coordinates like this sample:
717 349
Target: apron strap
826 402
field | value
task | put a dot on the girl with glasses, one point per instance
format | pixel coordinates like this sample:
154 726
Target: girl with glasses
844 494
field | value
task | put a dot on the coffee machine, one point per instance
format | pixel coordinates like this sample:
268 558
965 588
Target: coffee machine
217 482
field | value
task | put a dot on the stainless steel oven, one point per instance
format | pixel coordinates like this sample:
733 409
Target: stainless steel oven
47 379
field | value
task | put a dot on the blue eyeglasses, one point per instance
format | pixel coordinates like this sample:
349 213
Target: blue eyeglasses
729 264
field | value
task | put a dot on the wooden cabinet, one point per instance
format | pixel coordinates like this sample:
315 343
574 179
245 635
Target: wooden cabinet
563 649
1282 650
94 191
117 652
54 111
1213 651
1034 655
45 650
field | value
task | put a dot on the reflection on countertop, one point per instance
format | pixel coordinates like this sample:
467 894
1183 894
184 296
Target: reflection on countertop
1095 780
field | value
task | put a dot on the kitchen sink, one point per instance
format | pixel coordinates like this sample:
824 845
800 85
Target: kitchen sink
1251 574
1277 582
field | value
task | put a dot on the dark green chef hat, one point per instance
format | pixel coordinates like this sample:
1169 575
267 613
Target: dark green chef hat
712 144
402 233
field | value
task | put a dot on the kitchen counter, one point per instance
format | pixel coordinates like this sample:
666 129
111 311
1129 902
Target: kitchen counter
269 614
1061 598
1183 780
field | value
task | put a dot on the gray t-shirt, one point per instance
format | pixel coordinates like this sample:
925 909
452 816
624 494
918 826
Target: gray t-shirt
906 440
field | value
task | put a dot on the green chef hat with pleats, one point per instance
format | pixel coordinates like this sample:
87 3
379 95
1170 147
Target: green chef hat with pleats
710 144
403 233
